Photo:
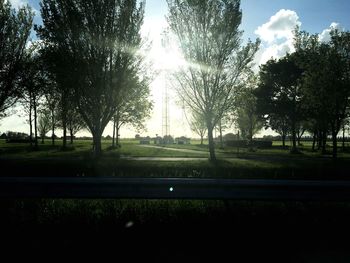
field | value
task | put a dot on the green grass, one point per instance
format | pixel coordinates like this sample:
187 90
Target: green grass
20 160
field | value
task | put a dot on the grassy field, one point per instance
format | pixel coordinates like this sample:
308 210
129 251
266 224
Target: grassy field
276 162
151 229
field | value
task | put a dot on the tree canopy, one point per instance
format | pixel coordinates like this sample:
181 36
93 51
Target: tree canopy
210 40
15 28
93 48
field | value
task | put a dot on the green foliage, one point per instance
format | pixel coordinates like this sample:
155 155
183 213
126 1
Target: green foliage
198 125
210 40
15 28
44 123
92 47
279 96
248 120
326 81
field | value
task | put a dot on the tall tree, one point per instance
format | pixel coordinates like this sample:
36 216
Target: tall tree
44 123
75 123
133 106
210 40
198 126
14 32
248 120
51 103
31 82
95 46
279 93
327 83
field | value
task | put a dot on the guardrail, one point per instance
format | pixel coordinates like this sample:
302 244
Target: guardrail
174 188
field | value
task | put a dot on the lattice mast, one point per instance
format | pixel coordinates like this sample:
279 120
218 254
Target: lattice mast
165 99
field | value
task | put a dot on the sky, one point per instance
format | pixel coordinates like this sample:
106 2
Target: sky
271 20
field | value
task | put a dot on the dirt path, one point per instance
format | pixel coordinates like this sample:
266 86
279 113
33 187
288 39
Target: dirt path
167 159
175 149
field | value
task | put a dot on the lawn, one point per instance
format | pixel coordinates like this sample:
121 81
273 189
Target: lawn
154 227
20 160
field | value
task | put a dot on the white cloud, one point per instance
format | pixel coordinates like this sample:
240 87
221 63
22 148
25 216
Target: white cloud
277 36
325 35
280 26
275 51
19 3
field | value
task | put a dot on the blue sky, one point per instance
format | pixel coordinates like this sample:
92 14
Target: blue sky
271 20
315 15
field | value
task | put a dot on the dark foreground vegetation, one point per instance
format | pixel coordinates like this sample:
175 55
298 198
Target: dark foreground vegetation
175 231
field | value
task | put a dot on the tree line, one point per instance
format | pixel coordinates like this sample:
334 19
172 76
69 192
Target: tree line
84 70
87 70
307 90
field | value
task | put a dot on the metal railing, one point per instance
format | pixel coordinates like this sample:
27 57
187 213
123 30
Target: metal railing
174 188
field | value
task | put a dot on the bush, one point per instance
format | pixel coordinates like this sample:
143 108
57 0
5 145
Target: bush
236 143
245 143
17 137
261 144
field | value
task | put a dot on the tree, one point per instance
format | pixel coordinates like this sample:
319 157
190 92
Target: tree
94 45
327 82
198 126
31 82
75 123
14 32
248 120
133 107
210 39
44 123
279 93
51 103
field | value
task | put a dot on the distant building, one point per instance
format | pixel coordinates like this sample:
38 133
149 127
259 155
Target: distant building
145 140
182 140
167 139
230 136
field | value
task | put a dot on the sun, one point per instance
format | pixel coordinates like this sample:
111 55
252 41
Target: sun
165 59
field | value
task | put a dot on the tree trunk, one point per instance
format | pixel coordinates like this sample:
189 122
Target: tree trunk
42 139
319 140
117 134
113 137
35 124
97 143
343 141
314 140
250 138
294 145
334 139
30 123
53 127
71 136
64 142
64 119
283 140
324 142
64 127
211 144
300 134
250 135
221 141
202 139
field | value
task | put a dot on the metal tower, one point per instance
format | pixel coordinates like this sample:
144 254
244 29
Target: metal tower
165 112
